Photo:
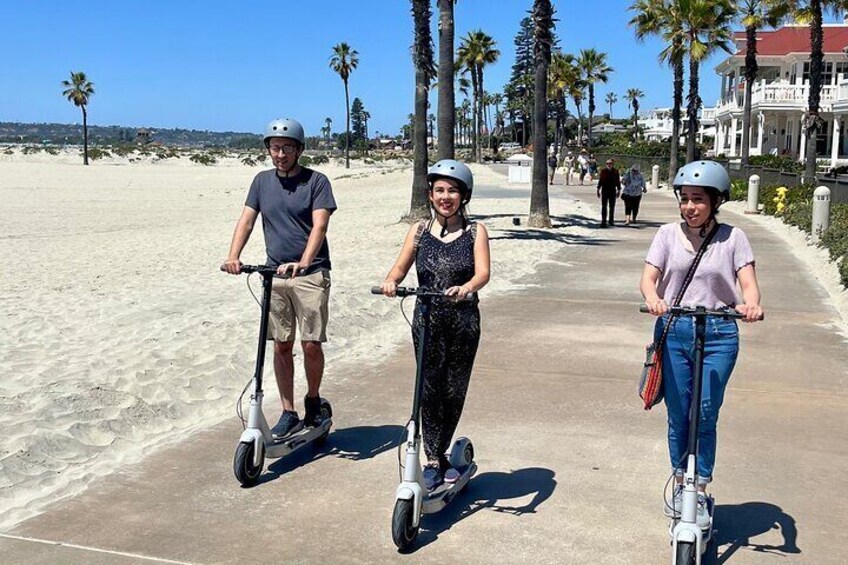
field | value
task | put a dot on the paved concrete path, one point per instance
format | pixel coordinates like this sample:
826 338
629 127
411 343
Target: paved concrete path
571 468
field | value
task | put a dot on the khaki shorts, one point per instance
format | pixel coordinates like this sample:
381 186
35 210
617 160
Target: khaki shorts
300 301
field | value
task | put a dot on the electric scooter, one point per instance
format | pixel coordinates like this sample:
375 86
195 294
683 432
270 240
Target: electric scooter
412 498
256 441
688 541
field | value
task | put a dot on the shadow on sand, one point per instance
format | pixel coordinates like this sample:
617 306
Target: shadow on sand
490 491
737 524
355 443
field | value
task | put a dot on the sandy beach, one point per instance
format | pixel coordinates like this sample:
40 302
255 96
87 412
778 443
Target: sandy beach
119 333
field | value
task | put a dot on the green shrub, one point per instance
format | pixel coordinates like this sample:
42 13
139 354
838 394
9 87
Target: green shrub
203 159
786 164
248 161
739 189
835 237
95 153
320 160
51 150
9 151
123 150
305 160
28 149
800 215
843 271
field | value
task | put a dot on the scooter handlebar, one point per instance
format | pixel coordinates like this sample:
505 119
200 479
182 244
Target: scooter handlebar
403 291
263 270
690 311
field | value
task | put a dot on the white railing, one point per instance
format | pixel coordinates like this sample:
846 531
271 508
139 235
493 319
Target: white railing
708 113
796 95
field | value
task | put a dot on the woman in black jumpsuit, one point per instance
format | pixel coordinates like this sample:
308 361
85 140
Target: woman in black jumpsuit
450 254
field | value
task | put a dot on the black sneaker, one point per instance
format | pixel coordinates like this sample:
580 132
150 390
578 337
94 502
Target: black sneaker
433 477
289 423
312 418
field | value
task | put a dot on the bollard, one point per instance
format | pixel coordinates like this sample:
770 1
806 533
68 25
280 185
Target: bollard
753 195
655 177
821 211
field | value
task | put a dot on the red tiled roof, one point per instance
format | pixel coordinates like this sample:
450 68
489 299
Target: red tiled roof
794 39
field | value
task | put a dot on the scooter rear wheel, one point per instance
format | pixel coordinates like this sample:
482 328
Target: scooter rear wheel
326 414
403 532
243 467
685 553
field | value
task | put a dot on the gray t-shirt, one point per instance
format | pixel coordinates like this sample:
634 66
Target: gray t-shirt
286 205
714 283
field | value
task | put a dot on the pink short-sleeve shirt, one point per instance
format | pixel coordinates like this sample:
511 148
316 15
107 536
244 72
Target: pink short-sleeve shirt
714 283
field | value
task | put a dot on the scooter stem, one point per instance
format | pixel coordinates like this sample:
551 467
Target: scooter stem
267 282
423 336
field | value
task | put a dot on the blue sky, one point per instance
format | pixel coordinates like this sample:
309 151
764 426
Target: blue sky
221 65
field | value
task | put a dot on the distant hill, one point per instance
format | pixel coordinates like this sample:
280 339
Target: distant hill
71 134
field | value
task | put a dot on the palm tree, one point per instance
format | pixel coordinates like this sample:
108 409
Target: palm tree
447 97
78 90
753 17
543 24
569 80
476 50
329 124
706 26
610 99
497 100
344 61
809 12
633 95
595 69
425 72
663 18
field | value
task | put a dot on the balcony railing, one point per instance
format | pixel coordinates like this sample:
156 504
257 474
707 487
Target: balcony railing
784 94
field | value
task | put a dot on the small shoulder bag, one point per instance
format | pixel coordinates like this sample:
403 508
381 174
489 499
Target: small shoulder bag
650 383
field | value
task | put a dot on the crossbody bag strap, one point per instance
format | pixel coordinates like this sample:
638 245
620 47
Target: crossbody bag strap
690 274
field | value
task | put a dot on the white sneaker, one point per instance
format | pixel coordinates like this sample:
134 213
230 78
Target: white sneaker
704 508
673 510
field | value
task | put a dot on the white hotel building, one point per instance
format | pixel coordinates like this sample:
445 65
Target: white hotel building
779 97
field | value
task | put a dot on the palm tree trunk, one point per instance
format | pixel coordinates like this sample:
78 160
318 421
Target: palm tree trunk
675 119
347 126
447 98
84 136
591 111
692 110
480 101
419 207
474 128
816 56
540 216
750 77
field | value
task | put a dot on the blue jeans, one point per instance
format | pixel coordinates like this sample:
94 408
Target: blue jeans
720 350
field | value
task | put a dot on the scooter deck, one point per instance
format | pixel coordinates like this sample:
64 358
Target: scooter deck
444 493
281 446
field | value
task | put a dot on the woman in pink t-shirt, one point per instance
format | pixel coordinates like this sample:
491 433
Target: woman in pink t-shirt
728 261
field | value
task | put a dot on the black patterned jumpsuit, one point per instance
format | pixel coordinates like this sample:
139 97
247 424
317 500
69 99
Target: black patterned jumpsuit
454 336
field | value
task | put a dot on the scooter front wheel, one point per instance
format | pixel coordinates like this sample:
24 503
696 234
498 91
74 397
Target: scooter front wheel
246 472
403 532
685 553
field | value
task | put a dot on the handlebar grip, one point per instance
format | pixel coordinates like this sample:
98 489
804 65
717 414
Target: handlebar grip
376 290
643 309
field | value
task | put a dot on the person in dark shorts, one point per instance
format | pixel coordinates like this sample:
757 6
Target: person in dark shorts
296 204
449 253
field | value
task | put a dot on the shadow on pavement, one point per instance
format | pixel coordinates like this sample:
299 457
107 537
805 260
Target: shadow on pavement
737 524
355 443
489 491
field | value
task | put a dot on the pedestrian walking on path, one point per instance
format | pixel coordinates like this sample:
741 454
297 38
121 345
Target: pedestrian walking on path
702 187
609 187
552 165
452 254
633 186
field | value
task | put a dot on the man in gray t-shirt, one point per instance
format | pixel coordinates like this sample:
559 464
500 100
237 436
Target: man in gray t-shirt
296 204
